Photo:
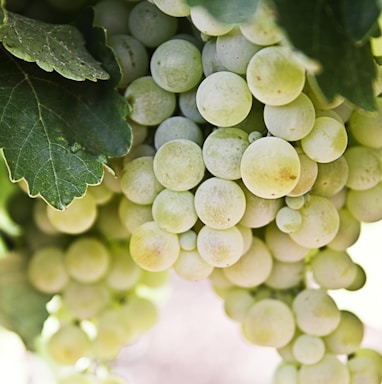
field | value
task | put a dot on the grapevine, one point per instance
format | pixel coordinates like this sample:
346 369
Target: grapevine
145 139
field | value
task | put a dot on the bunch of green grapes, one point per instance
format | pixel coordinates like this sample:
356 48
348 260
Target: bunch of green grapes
241 172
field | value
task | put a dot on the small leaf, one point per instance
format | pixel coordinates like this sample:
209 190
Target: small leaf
228 11
51 46
57 133
22 308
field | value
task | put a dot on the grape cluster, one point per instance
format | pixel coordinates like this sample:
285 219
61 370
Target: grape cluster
240 172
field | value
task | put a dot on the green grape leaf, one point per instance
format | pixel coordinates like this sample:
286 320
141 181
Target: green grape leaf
51 46
57 133
317 29
22 308
228 11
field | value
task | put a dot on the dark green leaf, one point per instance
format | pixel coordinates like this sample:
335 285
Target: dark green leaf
22 308
228 11
57 133
51 46
316 28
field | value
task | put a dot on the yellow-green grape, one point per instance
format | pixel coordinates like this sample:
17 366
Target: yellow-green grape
77 378
365 168
316 312
285 275
138 181
222 152
366 205
176 65
339 199
333 269
308 349
133 215
153 248
275 76
288 220
219 203
270 167
78 217
291 121
47 271
373 355
175 8
207 23
144 18
101 193
329 370
269 323
174 211
320 223
87 259
220 247
187 240
40 218
285 373
231 102
68 344
190 266
359 280
327 141
286 351
85 301
140 133
253 268
262 28
294 202
179 165
150 104
247 235
347 337
237 302
363 371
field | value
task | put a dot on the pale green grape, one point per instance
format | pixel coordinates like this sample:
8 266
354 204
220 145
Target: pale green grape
190 266
154 279
207 23
137 151
138 181
188 107
101 193
285 275
339 199
68 344
308 176
40 217
176 65
253 268
285 373
237 302
275 76
139 132
372 354
286 351
220 247
308 349
77 378
282 247
179 165
231 100
219 203
331 177
365 206
87 259
78 217
316 312
365 168
187 240
174 211
327 140
269 323
262 28
363 370
234 51
210 60
123 273
112 379
291 121
133 215
344 110
144 18
132 57
333 269
153 248
112 15
247 235
348 232
177 127
347 337
320 223
220 283
84 301
150 104
366 126
288 220
46 270
295 202
270 167
222 152
175 8
329 370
